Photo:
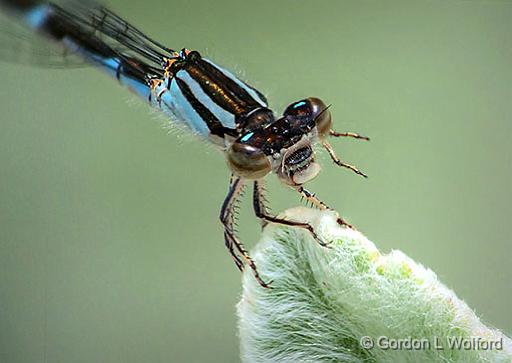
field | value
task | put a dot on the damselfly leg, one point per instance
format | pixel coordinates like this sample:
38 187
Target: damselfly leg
348 134
263 215
337 160
333 155
313 199
227 217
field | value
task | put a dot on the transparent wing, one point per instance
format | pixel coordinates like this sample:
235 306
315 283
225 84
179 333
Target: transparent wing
21 45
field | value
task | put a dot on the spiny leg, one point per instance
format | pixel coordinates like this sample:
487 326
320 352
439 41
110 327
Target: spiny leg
228 241
348 134
240 247
262 214
227 217
335 158
313 199
259 202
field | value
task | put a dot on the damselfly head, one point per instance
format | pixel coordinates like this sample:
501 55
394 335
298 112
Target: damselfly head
283 145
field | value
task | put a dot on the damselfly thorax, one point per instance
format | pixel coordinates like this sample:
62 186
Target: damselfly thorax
205 98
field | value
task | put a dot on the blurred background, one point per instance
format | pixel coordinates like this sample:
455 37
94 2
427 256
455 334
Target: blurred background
110 244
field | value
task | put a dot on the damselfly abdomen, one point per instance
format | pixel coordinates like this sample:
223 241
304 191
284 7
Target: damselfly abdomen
205 98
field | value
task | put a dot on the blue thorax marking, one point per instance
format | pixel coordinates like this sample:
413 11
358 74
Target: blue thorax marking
246 137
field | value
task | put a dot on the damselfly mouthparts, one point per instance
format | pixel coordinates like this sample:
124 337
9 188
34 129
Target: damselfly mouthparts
209 100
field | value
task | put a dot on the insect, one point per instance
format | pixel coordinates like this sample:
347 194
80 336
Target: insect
204 97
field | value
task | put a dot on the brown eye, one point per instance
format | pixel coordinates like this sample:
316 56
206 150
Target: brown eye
322 116
248 161
313 109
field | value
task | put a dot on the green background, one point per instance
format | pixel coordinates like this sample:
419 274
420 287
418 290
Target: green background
110 245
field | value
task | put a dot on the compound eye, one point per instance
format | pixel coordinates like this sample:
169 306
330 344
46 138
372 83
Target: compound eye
248 161
299 109
312 109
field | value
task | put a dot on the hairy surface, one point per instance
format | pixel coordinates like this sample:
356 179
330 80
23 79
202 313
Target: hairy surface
324 300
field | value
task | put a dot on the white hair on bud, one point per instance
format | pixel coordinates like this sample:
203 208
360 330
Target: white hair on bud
324 301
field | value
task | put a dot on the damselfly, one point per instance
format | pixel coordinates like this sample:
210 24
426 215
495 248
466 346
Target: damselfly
204 97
